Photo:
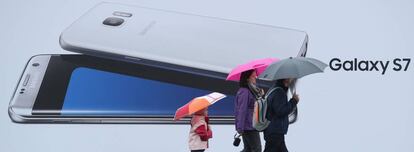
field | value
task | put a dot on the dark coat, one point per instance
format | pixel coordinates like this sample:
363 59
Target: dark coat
278 110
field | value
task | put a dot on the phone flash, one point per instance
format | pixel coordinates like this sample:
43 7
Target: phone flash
122 14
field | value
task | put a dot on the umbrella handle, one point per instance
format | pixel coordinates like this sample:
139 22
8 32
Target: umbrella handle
293 87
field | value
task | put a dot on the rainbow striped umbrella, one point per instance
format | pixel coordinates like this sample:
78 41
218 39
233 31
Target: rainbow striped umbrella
197 104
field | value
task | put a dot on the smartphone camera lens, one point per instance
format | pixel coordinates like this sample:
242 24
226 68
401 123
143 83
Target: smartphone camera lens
113 21
35 64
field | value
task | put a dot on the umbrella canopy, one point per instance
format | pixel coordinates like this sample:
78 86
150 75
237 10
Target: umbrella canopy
258 65
197 104
292 68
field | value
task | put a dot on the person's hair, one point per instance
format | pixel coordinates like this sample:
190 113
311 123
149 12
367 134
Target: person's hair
244 78
280 82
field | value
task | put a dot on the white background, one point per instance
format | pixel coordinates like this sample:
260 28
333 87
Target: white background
339 111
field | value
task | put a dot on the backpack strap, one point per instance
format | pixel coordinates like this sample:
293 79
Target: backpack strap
271 91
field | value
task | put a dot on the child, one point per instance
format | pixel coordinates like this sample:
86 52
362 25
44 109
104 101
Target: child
200 131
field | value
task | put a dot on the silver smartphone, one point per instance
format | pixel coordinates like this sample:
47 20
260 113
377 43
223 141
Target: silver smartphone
87 89
134 33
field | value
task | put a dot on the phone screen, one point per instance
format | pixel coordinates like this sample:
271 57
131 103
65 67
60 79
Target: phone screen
79 85
96 92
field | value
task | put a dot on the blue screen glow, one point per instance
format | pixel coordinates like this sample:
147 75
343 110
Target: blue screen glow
95 92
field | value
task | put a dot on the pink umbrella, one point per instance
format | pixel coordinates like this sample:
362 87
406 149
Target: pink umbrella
258 65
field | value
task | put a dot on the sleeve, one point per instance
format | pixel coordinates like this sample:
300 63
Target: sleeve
241 111
281 107
202 132
209 133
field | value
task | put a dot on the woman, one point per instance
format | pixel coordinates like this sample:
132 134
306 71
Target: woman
244 105
279 109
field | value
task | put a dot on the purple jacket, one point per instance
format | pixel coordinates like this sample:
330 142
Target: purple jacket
244 106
